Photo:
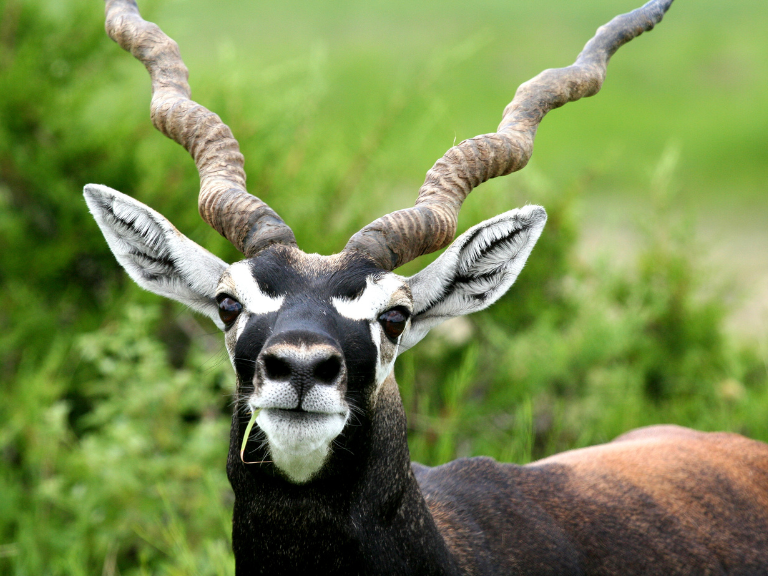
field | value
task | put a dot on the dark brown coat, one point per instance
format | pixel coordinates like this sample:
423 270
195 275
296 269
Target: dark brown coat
659 500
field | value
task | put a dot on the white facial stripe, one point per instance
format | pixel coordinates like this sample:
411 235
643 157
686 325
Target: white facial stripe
242 321
376 298
233 335
299 442
387 364
302 352
247 291
385 359
376 337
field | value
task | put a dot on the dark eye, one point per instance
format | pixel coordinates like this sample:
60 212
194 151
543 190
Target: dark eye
229 309
394 321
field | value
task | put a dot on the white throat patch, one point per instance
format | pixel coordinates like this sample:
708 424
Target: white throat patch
299 443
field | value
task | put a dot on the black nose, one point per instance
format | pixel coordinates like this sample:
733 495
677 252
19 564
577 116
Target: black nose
302 366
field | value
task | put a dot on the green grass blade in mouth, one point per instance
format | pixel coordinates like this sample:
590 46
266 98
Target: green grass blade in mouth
247 435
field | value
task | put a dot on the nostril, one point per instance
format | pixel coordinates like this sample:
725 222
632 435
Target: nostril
276 368
328 370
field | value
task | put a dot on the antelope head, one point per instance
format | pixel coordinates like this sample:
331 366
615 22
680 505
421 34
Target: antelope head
312 338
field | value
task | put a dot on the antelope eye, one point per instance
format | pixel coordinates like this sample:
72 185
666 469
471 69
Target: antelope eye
229 309
393 321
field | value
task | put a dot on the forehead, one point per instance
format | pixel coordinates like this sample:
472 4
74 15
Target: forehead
283 273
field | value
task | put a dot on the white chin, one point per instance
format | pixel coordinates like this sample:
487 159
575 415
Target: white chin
299 442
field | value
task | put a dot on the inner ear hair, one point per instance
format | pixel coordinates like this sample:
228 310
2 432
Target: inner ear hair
480 265
475 271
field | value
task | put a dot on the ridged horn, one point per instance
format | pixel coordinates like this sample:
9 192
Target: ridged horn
402 236
240 217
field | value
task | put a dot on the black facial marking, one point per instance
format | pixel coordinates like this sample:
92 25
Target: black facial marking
273 276
307 318
308 286
279 273
256 331
351 283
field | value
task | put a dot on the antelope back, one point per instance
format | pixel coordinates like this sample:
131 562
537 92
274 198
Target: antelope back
658 500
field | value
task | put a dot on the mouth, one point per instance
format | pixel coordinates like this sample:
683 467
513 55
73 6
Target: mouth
298 415
298 430
297 410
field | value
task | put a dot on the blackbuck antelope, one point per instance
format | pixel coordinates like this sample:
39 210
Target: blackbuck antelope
313 340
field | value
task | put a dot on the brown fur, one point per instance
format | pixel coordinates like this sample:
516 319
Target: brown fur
659 500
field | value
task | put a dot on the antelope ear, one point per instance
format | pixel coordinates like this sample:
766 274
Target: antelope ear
475 271
154 253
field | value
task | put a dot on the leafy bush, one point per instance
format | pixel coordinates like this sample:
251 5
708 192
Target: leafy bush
138 480
617 348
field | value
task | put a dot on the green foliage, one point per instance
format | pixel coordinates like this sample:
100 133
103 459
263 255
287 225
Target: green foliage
166 424
54 69
114 407
135 481
614 349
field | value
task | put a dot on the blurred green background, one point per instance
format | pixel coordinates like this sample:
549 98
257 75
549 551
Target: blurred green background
644 302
